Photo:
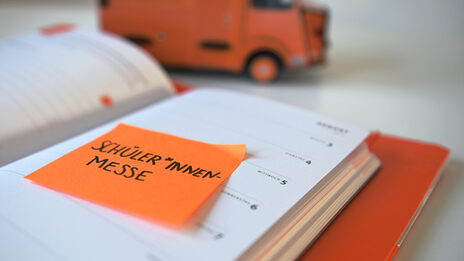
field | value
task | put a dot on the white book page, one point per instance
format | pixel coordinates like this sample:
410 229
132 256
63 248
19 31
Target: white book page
288 151
53 86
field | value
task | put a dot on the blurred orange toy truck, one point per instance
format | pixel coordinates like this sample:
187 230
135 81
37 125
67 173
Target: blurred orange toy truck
260 37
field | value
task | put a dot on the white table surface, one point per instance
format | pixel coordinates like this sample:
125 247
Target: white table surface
394 66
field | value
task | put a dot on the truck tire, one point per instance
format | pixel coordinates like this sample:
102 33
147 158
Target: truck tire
263 68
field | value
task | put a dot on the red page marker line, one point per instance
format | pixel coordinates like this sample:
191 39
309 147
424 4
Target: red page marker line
56 29
181 87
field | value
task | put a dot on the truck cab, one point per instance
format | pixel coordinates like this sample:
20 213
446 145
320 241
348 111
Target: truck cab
260 37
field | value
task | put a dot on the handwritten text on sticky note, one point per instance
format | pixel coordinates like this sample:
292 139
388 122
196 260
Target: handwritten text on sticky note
147 173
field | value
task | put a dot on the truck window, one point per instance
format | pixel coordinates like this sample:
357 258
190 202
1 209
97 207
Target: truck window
272 4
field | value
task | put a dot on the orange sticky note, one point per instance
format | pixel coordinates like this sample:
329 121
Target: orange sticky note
143 172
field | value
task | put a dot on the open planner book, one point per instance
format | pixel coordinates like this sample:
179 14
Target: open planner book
60 90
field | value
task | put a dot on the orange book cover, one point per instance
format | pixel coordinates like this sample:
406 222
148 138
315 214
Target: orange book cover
373 225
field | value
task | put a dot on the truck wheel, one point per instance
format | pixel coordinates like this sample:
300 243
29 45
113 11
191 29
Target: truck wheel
263 68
